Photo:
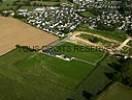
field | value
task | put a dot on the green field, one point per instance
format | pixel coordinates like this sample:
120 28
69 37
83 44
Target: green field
88 54
13 4
95 39
45 3
96 81
117 35
116 92
8 4
86 14
27 75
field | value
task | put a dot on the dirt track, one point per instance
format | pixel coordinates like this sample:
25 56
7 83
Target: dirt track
13 32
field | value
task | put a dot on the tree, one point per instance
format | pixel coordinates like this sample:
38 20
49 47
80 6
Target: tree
69 99
87 95
122 8
129 30
110 75
116 66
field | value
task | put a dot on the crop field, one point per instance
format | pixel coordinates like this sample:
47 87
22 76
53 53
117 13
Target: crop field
96 81
116 92
84 53
14 32
25 74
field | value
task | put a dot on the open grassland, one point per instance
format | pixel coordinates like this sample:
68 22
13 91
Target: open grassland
46 3
15 4
7 4
117 35
27 75
116 92
94 39
14 32
96 81
86 14
27 4
97 85
88 54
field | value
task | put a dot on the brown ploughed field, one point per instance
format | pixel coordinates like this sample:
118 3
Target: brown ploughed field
14 32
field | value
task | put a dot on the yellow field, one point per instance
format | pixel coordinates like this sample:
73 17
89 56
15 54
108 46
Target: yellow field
14 32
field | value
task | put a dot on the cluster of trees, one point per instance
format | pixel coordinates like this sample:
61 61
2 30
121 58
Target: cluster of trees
1 1
122 71
125 7
129 30
26 48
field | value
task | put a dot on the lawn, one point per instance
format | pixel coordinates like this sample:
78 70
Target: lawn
116 92
89 54
27 75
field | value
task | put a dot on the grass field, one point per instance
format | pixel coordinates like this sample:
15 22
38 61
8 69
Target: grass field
89 54
96 81
99 85
10 4
116 92
14 32
46 3
94 39
117 35
26 75
86 14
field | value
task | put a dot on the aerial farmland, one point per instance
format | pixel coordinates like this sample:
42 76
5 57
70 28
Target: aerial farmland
65 50
15 32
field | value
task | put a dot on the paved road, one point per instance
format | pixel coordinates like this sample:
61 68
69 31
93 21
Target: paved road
75 39
96 35
124 43
58 42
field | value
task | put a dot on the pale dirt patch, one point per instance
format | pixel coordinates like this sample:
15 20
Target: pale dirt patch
14 32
